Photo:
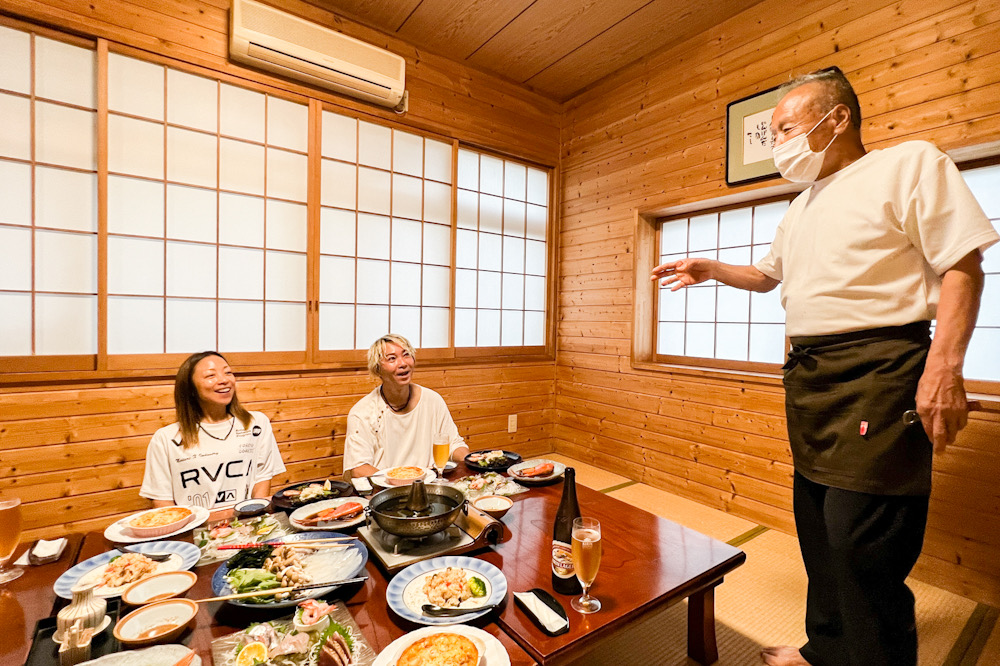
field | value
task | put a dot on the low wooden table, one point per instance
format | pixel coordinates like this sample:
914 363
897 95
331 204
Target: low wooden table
648 563
30 598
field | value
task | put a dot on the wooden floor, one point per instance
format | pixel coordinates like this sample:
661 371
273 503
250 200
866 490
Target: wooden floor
763 602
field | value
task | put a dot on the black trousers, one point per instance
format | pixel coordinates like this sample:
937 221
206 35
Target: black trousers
858 550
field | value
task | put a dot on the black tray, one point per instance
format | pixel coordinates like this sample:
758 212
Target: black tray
337 489
45 651
512 457
549 601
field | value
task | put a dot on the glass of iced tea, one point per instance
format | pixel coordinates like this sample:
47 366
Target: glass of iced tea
10 535
586 561
441 445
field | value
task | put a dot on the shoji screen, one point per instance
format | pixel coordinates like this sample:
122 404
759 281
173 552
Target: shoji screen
207 223
385 235
500 254
48 197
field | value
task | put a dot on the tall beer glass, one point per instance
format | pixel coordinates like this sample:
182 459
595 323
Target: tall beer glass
586 561
441 444
10 535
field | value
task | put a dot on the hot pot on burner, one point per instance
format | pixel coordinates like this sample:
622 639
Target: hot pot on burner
417 510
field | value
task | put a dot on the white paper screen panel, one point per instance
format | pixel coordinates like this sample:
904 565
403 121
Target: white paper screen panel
713 320
64 73
502 219
15 53
233 184
386 199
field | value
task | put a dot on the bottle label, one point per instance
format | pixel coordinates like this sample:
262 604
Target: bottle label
562 559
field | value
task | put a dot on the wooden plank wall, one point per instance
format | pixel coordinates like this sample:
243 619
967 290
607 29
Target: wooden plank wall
74 451
651 137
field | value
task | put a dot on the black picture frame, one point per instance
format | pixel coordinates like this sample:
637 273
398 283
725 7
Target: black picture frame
745 136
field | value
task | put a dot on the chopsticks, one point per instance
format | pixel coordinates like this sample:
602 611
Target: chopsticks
304 542
279 590
186 659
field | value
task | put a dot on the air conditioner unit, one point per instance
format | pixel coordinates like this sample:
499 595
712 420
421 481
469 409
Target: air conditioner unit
279 42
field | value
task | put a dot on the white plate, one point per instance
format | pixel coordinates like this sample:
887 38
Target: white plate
315 507
185 555
401 592
119 532
379 478
159 655
557 471
495 654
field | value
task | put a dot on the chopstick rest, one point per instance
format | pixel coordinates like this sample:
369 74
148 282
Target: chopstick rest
544 610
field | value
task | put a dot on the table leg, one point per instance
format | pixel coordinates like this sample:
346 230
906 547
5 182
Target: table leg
701 627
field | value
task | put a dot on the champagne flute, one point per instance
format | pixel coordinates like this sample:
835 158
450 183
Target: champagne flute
441 444
10 535
586 561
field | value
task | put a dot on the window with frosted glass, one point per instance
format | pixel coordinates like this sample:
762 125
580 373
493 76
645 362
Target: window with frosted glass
48 197
713 320
207 222
982 361
385 235
500 252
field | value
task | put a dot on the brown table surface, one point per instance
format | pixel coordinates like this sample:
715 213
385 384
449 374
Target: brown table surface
648 563
30 598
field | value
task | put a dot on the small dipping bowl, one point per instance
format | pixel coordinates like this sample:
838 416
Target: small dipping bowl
251 507
159 622
159 587
494 505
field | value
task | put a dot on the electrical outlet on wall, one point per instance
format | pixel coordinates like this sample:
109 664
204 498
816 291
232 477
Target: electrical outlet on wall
512 423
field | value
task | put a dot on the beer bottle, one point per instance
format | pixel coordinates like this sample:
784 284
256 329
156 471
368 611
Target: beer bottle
564 578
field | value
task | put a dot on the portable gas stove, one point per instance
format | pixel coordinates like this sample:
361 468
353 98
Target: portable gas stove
470 532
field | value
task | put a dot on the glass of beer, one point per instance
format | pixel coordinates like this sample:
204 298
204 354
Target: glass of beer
10 535
586 561
441 444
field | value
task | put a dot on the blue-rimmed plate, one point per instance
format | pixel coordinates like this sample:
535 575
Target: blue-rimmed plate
329 564
405 592
183 556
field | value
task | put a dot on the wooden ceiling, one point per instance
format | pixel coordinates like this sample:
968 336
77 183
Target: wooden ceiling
556 47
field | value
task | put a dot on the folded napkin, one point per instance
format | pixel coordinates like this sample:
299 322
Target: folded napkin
42 550
547 617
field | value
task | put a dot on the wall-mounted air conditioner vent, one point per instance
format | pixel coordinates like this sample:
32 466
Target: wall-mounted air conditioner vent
288 45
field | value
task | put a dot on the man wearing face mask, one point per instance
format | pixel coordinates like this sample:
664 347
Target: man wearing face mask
880 243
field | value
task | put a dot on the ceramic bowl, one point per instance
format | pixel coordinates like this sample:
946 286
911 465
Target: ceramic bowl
251 507
159 530
159 622
494 505
159 587
408 475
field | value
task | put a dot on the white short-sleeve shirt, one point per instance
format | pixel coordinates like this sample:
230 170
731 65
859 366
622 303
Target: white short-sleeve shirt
214 473
866 246
382 438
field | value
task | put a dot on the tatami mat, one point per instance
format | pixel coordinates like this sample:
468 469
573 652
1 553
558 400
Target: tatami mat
588 475
991 652
759 604
717 524
941 616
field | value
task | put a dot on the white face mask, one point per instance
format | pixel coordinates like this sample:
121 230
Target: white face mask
796 161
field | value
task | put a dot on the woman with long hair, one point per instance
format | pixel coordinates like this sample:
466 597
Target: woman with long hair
217 453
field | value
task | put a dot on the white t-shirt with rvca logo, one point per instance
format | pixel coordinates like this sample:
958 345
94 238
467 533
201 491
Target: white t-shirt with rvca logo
220 470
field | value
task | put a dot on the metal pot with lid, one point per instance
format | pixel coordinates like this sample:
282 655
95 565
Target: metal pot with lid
417 510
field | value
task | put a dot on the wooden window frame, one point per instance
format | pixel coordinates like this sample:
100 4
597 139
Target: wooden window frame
100 366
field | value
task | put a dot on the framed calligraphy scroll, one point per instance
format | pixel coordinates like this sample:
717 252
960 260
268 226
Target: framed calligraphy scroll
748 138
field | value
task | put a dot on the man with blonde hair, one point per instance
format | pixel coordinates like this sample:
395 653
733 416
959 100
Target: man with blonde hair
394 425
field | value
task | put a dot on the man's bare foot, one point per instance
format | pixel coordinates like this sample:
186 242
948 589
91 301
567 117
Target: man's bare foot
782 655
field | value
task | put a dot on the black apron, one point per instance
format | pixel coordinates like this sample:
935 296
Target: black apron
845 396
